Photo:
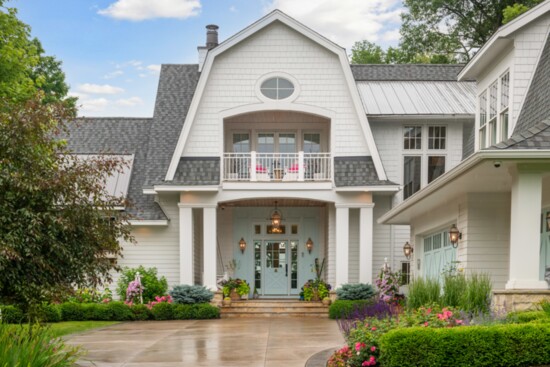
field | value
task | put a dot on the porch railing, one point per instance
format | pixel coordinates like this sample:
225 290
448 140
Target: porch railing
254 166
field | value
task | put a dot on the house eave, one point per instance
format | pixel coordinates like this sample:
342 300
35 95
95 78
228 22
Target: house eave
392 216
153 223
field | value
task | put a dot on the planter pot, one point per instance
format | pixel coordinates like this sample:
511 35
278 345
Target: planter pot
326 302
226 302
315 296
244 296
234 295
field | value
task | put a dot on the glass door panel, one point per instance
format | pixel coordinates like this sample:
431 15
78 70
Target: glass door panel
276 268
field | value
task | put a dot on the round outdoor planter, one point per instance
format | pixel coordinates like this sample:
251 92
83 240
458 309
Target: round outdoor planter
234 295
226 302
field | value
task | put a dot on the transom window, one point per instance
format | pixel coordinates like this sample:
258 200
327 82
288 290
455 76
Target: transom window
436 137
277 88
412 137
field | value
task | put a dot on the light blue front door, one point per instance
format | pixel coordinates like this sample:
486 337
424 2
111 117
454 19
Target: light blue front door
544 243
276 268
438 254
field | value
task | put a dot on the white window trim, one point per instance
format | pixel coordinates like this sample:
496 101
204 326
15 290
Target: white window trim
277 74
500 134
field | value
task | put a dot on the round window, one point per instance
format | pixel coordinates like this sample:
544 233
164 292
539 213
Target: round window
277 88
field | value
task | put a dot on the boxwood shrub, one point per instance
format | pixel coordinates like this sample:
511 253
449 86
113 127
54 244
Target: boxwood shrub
498 345
340 309
163 311
12 315
50 313
73 312
200 311
521 317
141 312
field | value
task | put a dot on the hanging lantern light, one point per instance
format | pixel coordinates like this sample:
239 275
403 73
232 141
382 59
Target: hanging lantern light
309 245
408 250
275 217
242 245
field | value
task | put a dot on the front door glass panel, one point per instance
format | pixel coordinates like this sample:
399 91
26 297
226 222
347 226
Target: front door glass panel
276 267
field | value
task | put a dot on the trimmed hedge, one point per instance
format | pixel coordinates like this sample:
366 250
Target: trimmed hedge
340 309
521 317
12 315
50 313
497 345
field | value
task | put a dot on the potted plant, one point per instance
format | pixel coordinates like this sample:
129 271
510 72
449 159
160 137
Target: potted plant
235 288
227 301
243 289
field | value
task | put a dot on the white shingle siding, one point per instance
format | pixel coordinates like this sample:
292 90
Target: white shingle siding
235 73
528 45
156 247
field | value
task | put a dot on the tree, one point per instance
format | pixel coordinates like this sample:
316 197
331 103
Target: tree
365 52
58 225
24 68
452 27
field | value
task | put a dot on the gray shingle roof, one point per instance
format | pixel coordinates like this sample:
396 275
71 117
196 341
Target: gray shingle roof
356 171
119 136
406 72
198 171
177 84
536 107
536 137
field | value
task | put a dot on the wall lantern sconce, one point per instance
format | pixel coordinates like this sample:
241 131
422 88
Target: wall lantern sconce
275 217
309 245
408 250
454 236
242 245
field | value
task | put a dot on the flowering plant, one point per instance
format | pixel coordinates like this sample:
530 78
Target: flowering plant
388 285
134 290
90 295
166 299
239 285
315 290
435 317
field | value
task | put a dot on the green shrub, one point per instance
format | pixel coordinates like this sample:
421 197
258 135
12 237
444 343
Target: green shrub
141 312
72 311
340 309
545 306
423 292
476 298
163 311
498 345
184 312
198 311
206 311
191 294
50 313
12 315
354 292
18 347
118 311
152 284
521 317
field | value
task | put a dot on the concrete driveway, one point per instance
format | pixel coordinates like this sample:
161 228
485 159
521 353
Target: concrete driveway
247 342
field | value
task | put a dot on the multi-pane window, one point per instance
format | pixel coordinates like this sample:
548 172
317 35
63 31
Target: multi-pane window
493 112
287 143
258 264
412 137
241 143
504 101
277 88
312 143
436 167
405 272
436 137
411 175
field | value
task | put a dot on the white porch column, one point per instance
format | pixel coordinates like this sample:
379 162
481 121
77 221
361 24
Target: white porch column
525 228
209 246
186 244
342 245
365 243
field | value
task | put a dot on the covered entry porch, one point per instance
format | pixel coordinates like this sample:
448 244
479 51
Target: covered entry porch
236 237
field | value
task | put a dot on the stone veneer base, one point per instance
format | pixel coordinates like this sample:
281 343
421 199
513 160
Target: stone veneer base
519 299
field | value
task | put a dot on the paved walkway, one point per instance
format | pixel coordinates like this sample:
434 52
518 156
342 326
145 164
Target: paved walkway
266 342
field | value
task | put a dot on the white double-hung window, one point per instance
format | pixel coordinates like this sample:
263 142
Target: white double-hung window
493 112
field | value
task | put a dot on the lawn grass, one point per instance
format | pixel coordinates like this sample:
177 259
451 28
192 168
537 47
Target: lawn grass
71 327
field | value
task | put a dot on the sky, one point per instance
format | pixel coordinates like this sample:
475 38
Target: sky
112 49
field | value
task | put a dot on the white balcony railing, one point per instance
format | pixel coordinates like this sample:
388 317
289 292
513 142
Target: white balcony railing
298 166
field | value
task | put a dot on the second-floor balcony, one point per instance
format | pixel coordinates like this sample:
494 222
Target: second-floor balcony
278 167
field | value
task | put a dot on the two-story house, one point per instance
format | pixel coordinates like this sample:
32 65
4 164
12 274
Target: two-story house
273 153
497 201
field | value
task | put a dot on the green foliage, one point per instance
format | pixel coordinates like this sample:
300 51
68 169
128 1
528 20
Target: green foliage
195 311
163 311
141 313
521 317
152 284
454 286
39 348
423 292
365 52
12 315
73 312
190 294
545 306
353 292
90 295
315 290
476 298
498 345
515 10
24 69
239 285
48 248
340 309
50 313
117 311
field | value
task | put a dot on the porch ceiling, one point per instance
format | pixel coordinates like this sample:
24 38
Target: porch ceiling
271 202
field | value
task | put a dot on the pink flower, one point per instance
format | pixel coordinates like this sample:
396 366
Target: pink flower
373 328
358 346
372 349
459 322
426 323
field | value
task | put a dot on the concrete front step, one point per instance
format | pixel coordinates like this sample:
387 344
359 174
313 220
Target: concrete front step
273 308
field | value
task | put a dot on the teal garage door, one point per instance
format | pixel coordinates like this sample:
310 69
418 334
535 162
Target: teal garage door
438 254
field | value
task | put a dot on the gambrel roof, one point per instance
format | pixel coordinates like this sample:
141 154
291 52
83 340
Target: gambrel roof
406 72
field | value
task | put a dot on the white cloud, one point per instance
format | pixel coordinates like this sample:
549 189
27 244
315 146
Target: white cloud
92 105
345 21
99 89
155 68
392 35
137 10
233 9
129 102
113 74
